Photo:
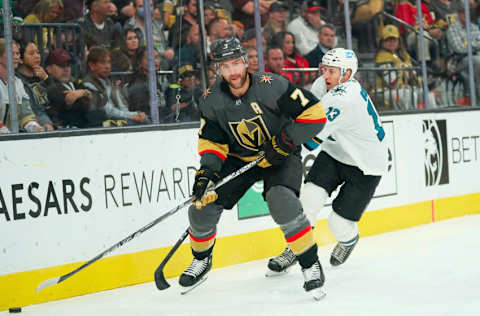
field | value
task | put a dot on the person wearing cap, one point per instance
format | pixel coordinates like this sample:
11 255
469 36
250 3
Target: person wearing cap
392 53
238 29
457 43
68 99
305 27
277 20
182 98
25 116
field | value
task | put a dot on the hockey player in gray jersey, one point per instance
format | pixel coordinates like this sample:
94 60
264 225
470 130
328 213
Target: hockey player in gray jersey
353 156
242 116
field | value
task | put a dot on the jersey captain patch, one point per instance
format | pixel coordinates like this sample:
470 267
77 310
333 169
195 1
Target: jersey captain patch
251 133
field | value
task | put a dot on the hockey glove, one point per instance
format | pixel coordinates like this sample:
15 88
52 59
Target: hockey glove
203 193
278 149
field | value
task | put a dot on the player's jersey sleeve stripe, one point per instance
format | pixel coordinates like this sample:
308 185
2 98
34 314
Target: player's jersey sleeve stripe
206 146
313 114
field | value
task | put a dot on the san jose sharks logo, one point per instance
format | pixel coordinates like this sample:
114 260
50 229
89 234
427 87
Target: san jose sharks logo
251 133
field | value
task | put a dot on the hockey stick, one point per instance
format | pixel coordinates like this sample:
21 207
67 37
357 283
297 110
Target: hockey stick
228 178
160 281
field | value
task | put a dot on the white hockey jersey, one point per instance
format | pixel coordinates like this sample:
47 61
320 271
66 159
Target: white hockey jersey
353 134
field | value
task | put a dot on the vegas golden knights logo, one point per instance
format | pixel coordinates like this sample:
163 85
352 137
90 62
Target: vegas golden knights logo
251 133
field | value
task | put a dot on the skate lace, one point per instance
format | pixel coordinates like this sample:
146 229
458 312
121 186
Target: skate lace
286 257
196 267
312 273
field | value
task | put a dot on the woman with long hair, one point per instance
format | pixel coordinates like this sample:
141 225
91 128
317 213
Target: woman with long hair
286 41
124 58
34 78
46 11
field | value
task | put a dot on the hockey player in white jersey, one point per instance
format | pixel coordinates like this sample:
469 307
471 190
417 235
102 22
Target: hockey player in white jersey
353 155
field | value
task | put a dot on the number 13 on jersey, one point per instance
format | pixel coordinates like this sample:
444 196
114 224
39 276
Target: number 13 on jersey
373 114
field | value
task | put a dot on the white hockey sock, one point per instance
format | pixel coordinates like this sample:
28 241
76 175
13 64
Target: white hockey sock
344 230
312 198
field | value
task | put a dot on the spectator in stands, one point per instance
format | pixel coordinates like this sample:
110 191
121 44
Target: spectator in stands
407 12
326 41
137 90
168 8
277 20
124 58
25 116
99 25
250 39
392 53
190 51
252 57
35 79
305 27
209 13
107 103
188 19
217 29
188 92
292 59
46 11
274 61
211 77
159 40
238 29
433 35
457 43
68 99
244 12
443 9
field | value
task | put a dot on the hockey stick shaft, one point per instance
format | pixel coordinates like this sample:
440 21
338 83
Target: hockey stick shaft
62 278
160 281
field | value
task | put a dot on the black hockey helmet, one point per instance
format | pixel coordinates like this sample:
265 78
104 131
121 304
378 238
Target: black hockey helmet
226 49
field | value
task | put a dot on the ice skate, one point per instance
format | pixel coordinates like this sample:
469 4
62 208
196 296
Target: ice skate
280 264
314 279
342 251
196 272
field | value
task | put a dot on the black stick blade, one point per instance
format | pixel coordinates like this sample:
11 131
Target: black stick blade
160 281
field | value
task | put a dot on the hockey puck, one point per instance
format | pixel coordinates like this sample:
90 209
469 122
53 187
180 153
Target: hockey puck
15 310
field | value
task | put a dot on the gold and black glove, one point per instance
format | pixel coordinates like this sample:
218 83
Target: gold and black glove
278 149
203 192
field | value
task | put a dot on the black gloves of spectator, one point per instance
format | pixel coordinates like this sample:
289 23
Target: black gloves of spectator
278 149
205 178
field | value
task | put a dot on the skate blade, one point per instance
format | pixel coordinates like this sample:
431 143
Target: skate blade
190 288
271 273
318 294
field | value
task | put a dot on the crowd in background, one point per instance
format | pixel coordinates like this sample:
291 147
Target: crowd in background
105 82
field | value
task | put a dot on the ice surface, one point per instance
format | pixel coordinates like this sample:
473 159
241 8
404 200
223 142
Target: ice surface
426 270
